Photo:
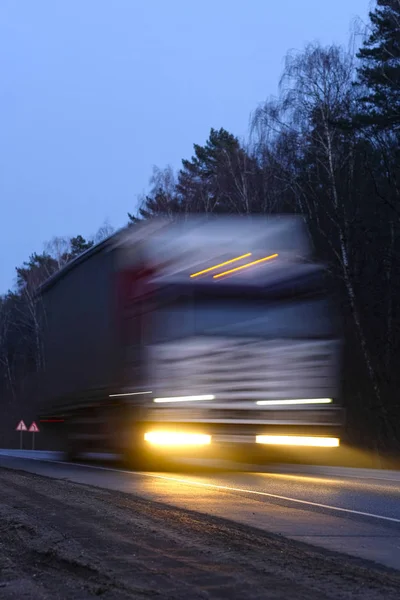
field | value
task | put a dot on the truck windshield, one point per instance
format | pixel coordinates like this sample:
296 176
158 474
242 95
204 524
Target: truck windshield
305 318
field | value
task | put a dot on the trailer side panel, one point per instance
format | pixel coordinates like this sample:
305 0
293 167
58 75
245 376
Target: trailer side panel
80 334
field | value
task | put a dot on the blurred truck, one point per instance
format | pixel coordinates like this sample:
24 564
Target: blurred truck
197 335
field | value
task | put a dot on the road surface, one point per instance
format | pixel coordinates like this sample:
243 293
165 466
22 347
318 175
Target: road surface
352 511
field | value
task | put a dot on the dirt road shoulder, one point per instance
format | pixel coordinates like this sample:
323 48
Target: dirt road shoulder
63 540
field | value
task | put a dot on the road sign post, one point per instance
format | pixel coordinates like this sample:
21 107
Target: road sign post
33 429
21 427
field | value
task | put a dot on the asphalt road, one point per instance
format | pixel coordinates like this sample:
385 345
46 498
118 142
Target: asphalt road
353 511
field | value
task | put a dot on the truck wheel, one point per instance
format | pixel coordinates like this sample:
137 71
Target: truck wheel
74 449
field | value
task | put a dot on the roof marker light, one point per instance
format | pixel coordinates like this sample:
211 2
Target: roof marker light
250 264
227 262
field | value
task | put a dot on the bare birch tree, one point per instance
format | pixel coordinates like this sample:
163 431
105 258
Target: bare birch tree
317 92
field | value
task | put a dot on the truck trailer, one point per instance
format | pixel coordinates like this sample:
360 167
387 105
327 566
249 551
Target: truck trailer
194 336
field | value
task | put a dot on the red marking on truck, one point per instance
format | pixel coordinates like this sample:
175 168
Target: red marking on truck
133 285
52 420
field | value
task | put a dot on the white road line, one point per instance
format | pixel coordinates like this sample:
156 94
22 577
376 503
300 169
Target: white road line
226 488
335 474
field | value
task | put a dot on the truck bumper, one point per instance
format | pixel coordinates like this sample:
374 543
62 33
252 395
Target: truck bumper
224 441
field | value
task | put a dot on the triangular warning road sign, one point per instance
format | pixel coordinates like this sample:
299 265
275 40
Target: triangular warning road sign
34 428
21 426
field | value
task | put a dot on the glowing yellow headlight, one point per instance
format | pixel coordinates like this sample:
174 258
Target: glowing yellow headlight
297 440
172 438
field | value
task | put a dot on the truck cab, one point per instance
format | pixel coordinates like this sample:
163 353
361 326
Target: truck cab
232 335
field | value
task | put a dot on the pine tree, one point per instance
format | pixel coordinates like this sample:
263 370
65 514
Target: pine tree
79 245
221 177
162 199
379 70
205 182
35 271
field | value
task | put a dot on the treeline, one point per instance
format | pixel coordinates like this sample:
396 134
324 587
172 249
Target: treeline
326 148
21 355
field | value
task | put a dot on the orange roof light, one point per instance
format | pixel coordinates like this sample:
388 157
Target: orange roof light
228 262
250 264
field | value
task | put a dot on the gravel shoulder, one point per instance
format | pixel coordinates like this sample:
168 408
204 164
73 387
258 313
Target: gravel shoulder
63 540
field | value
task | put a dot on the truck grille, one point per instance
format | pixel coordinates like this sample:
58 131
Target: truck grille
238 372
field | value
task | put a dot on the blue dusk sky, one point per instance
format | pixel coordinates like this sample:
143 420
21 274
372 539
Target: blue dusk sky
93 93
